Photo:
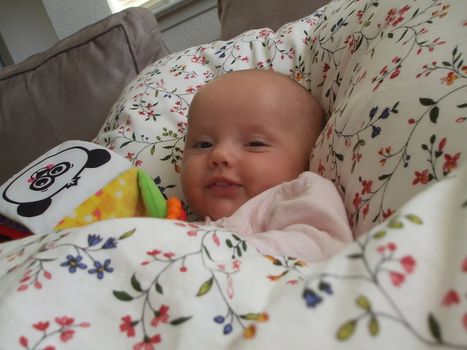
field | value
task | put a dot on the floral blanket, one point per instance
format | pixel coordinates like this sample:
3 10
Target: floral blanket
157 284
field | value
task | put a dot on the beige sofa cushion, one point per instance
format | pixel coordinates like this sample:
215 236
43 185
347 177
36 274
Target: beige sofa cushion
65 92
237 16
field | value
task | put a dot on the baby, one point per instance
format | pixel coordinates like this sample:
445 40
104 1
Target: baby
250 135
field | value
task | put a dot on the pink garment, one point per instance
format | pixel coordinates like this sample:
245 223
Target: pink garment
304 218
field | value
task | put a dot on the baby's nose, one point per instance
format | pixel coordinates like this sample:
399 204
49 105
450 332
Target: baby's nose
221 156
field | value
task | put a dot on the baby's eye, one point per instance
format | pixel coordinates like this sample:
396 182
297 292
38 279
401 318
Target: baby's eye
256 143
202 144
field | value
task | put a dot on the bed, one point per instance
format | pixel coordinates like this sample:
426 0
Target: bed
392 79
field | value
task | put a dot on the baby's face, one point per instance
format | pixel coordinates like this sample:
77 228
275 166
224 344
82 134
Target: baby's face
236 148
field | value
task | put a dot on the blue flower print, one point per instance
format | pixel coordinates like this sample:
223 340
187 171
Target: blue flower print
110 243
325 287
74 263
101 268
373 112
227 329
385 113
219 319
312 299
94 239
376 130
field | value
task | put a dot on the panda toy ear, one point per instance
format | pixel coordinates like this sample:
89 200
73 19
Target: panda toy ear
97 157
32 209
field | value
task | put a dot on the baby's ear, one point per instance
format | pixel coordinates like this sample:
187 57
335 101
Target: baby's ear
32 209
97 157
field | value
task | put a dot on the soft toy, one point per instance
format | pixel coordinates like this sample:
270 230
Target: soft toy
75 184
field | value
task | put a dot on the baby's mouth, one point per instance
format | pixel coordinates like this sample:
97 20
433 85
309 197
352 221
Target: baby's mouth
222 186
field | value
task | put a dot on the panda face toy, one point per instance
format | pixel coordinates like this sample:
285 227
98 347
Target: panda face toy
33 189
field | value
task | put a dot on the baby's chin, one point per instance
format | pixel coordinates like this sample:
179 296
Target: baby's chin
219 211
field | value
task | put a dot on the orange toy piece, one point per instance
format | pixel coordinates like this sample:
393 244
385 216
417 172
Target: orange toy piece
175 210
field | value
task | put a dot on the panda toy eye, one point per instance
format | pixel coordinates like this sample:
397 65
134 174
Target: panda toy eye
41 183
59 169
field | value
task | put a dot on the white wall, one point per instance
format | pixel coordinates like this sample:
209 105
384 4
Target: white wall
194 24
69 16
25 28
32 26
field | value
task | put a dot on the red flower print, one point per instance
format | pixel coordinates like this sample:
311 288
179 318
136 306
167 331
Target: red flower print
360 15
366 184
366 209
148 343
450 162
449 79
321 169
464 265
130 156
396 278
464 321
230 288
192 233
23 341
161 316
128 326
41 326
421 177
154 252
442 144
64 321
387 213
329 132
357 200
169 255
450 298
408 263
292 282
392 246
395 74
404 9
357 156
67 335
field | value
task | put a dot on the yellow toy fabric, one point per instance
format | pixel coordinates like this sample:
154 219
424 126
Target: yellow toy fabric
131 194
120 198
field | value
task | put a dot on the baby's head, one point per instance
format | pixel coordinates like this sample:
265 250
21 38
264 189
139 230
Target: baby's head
247 132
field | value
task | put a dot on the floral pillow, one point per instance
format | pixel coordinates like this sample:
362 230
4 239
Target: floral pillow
390 76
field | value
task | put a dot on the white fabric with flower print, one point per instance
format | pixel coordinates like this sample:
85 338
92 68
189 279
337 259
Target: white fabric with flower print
392 78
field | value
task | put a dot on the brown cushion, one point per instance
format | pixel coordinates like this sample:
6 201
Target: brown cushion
237 16
65 92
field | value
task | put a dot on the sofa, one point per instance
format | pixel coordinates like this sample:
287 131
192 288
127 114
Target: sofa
66 92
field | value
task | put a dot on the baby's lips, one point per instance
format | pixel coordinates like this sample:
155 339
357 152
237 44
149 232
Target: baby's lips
222 183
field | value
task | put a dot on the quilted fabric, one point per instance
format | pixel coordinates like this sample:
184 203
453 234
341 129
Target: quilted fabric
390 76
